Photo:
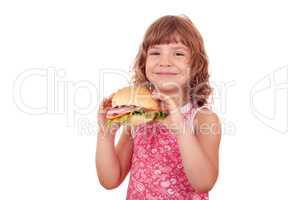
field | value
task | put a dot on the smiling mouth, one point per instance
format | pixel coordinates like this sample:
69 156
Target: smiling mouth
166 73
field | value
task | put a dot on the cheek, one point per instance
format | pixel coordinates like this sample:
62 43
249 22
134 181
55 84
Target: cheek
150 63
186 75
188 71
148 69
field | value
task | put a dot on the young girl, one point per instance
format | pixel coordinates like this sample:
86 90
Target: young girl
176 158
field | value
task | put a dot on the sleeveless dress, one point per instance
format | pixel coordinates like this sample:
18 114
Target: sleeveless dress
156 170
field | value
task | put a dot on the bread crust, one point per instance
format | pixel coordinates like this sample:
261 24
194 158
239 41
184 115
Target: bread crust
135 95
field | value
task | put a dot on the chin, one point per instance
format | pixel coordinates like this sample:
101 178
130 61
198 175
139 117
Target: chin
165 87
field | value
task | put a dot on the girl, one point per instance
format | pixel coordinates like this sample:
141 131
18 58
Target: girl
176 158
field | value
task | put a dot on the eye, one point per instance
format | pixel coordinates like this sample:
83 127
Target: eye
154 53
179 54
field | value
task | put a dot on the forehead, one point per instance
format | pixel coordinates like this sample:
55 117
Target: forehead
178 45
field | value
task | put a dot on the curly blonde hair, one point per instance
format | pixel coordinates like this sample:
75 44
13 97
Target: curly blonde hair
166 30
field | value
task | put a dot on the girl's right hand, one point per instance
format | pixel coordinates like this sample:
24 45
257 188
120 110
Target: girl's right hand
105 105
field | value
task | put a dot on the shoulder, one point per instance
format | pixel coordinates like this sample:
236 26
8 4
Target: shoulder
207 125
205 115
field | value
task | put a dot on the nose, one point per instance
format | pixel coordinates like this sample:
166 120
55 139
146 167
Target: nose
164 61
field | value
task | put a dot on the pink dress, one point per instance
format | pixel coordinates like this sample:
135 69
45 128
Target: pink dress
156 170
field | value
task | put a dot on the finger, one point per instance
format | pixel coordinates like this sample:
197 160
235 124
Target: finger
156 95
109 103
168 103
104 106
161 97
103 103
109 100
106 103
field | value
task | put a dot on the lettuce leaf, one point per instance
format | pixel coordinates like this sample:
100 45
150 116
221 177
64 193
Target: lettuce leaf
160 115
121 119
138 112
125 118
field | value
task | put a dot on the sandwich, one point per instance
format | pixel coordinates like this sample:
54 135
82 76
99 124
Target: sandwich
134 105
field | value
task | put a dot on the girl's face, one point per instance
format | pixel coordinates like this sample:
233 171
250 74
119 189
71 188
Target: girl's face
168 66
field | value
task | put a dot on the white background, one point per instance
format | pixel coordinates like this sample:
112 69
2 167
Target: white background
48 135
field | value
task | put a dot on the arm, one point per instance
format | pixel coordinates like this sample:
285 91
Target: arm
200 150
113 163
124 151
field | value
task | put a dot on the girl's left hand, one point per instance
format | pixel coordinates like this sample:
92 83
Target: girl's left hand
175 118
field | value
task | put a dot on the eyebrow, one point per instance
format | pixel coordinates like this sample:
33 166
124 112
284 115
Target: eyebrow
175 47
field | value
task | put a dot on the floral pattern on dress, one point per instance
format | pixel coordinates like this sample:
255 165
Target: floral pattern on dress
156 170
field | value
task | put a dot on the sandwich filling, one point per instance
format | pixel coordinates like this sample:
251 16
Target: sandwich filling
122 114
